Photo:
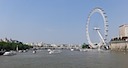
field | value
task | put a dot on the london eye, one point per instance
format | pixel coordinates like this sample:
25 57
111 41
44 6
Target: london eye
104 35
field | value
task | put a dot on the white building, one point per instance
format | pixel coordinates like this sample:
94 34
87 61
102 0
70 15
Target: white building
123 30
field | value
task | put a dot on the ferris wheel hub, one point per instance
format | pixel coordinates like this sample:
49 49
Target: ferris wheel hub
96 28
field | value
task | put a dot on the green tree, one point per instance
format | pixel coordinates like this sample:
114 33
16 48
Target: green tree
85 46
13 45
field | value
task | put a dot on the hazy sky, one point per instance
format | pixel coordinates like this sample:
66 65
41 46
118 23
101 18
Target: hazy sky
57 21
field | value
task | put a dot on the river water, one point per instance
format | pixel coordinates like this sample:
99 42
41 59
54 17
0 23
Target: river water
66 59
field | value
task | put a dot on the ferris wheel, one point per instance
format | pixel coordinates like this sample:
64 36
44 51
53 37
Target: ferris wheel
104 35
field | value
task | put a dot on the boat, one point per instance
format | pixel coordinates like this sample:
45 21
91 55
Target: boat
49 49
34 51
20 51
2 52
54 51
24 51
72 49
9 53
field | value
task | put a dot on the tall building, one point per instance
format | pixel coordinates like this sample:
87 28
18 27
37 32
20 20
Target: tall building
123 30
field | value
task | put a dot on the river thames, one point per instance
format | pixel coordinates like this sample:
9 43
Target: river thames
66 59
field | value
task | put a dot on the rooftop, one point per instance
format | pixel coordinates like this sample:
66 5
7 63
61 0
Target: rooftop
125 25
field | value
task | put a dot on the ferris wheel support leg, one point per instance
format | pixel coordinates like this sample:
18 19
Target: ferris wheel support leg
101 36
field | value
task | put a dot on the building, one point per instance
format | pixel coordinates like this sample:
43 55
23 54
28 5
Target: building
120 43
123 30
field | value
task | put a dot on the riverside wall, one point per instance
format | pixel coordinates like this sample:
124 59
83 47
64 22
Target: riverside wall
119 45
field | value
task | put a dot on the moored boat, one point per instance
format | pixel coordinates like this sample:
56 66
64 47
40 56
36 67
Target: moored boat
9 53
34 51
72 49
2 52
54 51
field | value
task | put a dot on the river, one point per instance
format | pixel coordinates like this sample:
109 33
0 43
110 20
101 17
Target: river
66 59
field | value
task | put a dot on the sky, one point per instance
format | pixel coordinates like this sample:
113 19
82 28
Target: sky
58 21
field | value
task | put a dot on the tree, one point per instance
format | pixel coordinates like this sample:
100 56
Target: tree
13 45
85 46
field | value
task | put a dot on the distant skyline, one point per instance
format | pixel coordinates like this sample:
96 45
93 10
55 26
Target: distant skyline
57 21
